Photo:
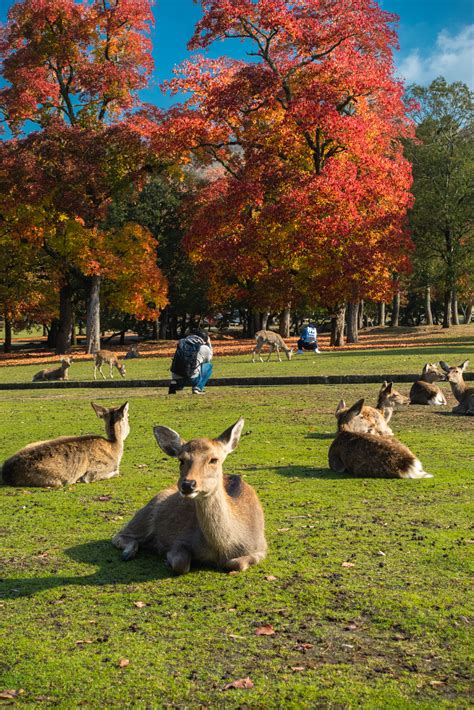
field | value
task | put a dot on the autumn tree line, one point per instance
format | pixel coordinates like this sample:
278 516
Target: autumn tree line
303 180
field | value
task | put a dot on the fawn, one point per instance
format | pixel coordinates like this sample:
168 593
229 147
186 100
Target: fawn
463 393
424 391
71 459
370 455
55 373
109 358
274 340
209 517
374 420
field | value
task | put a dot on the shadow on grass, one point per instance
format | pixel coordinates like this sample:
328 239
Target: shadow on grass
320 435
310 472
111 570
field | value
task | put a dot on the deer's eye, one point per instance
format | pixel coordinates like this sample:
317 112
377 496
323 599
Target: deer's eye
213 461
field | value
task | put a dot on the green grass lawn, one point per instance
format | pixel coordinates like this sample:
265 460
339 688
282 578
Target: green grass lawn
389 630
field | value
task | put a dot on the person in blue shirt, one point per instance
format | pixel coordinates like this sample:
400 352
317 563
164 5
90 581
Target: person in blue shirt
308 339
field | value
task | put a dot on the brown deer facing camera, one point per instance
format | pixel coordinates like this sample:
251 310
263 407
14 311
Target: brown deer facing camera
54 373
71 459
274 341
209 517
370 455
424 391
463 393
109 358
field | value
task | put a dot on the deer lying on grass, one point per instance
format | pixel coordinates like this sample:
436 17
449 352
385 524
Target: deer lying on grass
423 391
370 455
109 358
463 393
274 340
374 420
71 459
54 373
209 517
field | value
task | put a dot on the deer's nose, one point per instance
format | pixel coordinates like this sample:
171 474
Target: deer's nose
187 486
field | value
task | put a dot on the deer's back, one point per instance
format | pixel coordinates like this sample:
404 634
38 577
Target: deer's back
105 356
422 392
370 455
58 461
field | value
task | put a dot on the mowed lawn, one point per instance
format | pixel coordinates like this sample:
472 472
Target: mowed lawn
365 583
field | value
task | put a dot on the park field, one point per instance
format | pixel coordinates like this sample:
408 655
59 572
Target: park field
365 585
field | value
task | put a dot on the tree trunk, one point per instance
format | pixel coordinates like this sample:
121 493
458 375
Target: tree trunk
154 332
454 307
7 344
468 314
93 316
381 313
53 333
285 320
361 314
337 325
447 309
395 310
163 321
264 321
63 341
428 311
257 321
73 330
353 322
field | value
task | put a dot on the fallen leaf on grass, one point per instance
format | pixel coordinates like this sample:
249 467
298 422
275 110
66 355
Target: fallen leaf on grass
241 683
123 663
270 578
282 529
348 564
304 646
139 605
79 643
10 694
267 630
103 498
296 669
435 683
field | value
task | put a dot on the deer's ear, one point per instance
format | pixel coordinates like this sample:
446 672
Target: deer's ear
123 410
464 365
100 411
444 366
168 440
340 406
388 387
355 409
230 437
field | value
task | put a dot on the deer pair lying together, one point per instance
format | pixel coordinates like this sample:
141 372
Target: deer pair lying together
424 391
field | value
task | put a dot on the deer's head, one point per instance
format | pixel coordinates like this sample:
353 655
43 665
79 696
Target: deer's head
390 397
200 460
454 374
289 353
114 417
347 418
121 368
66 362
432 373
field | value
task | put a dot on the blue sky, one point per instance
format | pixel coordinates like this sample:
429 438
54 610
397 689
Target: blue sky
436 37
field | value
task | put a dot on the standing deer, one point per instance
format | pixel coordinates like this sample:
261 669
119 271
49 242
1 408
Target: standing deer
209 517
370 455
274 340
374 420
71 459
424 391
54 373
463 393
109 358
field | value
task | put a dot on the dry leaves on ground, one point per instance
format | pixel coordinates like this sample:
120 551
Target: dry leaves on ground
241 683
267 630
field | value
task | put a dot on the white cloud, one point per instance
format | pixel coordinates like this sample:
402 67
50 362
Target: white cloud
453 58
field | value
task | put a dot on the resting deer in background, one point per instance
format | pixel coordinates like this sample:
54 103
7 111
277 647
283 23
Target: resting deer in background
55 373
109 358
71 459
423 391
463 393
274 340
209 517
370 455
374 420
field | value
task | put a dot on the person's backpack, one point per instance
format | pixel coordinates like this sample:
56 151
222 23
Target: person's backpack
185 358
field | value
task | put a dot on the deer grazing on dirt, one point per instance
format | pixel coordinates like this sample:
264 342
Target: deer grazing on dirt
463 393
209 517
109 358
274 341
370 455
374 420
54 373
71 459
424 391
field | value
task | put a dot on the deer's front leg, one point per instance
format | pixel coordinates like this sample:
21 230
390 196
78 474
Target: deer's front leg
100 370
111 372
269 354
179 560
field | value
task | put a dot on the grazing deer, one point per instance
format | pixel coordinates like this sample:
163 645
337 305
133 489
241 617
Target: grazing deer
374 420
274 340
209 517
71 459
463 393
109 358
54 373
371 455
423 391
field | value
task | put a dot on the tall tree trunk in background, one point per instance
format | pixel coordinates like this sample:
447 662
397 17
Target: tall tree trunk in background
93 316
337 325
353 322
447 309
7 343
428 311
361 314
73 330
285 320
381 313
468 314
53 333
163 324
63 341
155 327
395 310
454 306
264 321
257 321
